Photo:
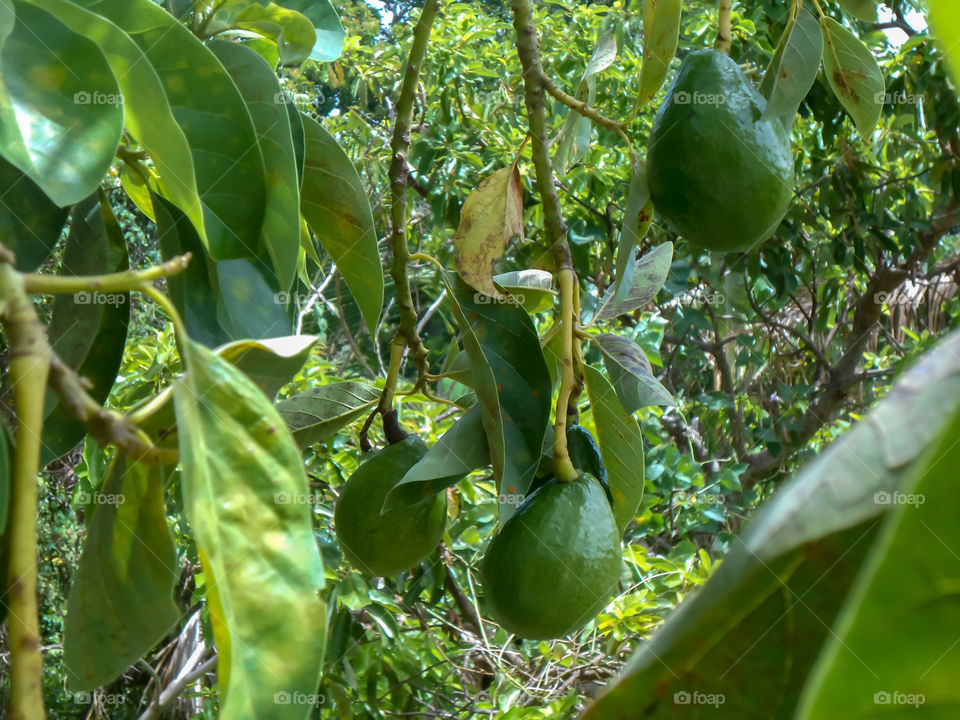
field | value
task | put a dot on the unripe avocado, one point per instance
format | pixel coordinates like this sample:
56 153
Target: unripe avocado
398 539
555 563
718 174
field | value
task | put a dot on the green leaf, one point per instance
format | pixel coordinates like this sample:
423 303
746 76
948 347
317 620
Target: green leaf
621 446
121 600
637 216
137 190
60 109
328 30
774 602
794 67
214 119
649 274
251 304
460 451
631 374
531 288
270 363
491 215
242 481
290 30
865 10
854 75
912 598
317 414
30 222
661 34
335 205
88 331
6 460
512 383
147 114
944 16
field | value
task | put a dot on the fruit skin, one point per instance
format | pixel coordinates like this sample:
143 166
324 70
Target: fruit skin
555 562
399 539
720 176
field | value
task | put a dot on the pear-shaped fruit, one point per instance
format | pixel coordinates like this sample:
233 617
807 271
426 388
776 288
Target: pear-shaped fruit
399 538
555 562
718 174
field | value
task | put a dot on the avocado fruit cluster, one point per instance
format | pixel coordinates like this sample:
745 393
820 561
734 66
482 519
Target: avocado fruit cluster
384 544
719 174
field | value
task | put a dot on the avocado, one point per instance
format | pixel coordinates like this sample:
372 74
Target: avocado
719 175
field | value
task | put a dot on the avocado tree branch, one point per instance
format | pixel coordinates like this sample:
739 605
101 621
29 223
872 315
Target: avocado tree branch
29 366
724 40
399 173
579 106
110 283
528 50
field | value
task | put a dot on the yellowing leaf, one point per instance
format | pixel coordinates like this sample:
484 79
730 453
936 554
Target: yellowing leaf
491 215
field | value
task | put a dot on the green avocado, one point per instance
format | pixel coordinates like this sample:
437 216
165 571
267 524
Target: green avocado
555 563
718 174
398 539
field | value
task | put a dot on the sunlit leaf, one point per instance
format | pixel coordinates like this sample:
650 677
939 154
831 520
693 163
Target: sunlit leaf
649 274
865 10
854 75
794 67
661 34
290 30
945 20
328 30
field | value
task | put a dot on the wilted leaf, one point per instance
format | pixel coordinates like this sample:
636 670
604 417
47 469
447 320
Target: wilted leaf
491 215
62 134
794 67
461 450
512 384
661 34
88 331
334 203
649 274
621 446
637 216
121 600
631 374
854 75
317 414
244 488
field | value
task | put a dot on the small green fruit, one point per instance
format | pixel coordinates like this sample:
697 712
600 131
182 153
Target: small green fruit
718 174
555 562
398 539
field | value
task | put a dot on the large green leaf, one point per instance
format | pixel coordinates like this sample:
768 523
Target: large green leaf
290 30
317 414
661 35
121 598
214 119
621 446
30 222
262 568
794 67
460 451
512 382
328 30
854 75
335 205
945 21
776 599
88 331
61 112
631 374
146 113
280 235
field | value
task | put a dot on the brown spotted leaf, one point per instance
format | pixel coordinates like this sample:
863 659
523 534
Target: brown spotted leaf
854 75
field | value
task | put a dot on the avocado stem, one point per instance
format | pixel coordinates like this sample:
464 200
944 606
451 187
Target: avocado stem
563 467
724 40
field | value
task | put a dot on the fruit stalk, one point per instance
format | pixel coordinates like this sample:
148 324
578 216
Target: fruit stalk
528 50
28 370
399 147
724 40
